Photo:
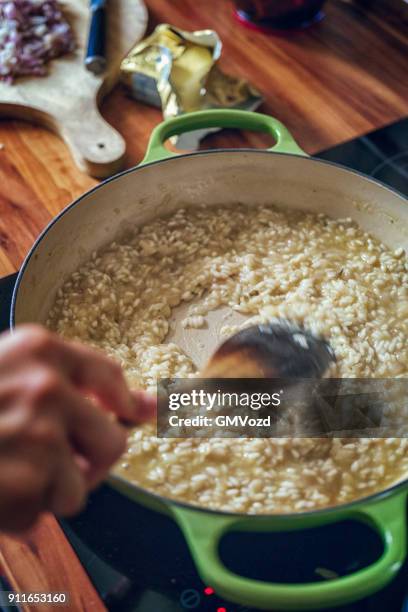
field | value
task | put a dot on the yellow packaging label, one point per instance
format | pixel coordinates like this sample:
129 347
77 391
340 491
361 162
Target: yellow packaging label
177 71
171 57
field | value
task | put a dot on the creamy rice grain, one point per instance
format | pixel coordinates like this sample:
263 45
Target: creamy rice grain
327 274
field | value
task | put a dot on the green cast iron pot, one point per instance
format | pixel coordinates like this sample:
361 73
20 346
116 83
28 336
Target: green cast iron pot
163 182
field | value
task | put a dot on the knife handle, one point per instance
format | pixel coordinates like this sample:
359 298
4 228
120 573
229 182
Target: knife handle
95 60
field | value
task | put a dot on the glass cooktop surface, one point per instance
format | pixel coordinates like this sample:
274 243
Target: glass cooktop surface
382 154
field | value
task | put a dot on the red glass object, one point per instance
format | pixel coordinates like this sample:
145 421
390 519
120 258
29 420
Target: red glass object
278 14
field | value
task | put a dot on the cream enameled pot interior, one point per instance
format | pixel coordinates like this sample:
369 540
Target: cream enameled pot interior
219 177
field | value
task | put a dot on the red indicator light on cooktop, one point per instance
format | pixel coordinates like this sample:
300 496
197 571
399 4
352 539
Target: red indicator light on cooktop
221 609
209 591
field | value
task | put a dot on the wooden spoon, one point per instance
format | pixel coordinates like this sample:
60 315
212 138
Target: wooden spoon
279 349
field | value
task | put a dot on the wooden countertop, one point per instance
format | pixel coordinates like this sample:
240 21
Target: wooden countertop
337 80
332 82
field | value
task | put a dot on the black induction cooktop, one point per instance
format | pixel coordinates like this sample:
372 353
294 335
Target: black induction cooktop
138 560
382 154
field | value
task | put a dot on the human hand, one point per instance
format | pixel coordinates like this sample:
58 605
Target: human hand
55 444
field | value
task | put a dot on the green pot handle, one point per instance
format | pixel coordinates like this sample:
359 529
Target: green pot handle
203 532
224 118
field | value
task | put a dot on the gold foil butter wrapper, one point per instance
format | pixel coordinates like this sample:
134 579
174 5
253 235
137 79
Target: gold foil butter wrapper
177 71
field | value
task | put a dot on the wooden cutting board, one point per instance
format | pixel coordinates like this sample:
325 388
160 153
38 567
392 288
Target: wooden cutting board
67 99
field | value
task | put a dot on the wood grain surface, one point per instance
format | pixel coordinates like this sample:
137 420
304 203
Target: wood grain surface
43 561
66 99
335 81
341 78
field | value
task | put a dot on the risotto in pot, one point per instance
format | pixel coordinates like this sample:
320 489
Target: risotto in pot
328 275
